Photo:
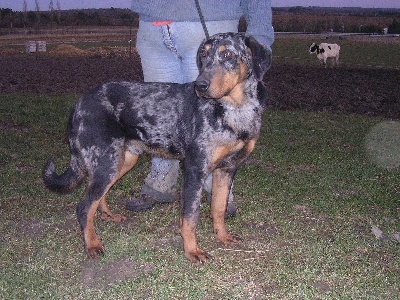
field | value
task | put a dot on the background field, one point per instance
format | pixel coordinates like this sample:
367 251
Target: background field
318 200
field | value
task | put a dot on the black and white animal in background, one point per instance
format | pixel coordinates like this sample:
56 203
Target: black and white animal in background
325 51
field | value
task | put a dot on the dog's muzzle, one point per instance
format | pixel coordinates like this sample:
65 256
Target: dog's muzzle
201 87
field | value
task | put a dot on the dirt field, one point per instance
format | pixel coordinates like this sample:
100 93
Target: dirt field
374 92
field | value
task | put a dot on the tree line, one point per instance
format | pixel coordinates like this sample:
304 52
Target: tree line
294 19
344 20
55 16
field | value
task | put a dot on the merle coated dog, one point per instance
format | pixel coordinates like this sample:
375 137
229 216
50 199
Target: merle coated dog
212 124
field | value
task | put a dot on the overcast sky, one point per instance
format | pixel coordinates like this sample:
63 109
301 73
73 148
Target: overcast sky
16 5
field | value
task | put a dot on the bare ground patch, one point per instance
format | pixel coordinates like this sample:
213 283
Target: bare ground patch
339 90
96 275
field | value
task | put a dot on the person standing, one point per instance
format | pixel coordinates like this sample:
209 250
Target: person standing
169 34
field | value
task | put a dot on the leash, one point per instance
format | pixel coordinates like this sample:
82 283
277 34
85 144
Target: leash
203 23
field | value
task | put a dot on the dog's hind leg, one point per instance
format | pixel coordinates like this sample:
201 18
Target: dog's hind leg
104 173
86 211
222 182
129 162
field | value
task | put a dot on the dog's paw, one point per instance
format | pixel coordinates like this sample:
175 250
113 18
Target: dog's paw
234 239
117 218
228 238
95 252
199 256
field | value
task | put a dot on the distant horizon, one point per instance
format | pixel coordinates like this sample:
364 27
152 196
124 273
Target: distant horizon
395 4
17 5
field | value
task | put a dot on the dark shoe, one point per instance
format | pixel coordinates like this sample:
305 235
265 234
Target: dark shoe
143 202
159 197
148 198
230 208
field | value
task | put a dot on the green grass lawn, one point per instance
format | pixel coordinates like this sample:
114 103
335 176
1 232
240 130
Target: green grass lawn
318 216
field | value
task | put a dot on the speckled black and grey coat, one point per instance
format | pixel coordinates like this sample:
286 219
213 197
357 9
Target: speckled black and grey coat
207 123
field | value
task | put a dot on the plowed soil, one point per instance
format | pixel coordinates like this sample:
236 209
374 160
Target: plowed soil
368 91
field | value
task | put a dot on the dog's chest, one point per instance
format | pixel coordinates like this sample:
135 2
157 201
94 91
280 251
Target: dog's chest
244 120
239 123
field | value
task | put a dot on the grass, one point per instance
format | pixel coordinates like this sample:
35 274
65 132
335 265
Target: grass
308 198
319 209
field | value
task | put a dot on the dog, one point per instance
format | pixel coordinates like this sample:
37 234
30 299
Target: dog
212 124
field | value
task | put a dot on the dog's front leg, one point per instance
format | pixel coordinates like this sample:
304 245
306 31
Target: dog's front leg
222 181
190 210
192 251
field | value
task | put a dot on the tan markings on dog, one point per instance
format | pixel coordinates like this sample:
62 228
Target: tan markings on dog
130 161
140 146
229 86
93 244
251 144
250 52
220 192
221 83
192 251
164 153
107 215
222 152
237 96
222 48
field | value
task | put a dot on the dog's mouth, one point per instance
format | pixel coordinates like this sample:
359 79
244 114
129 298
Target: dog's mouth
202 88
208 95
203 95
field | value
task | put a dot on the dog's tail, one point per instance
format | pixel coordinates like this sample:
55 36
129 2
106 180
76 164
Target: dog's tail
66 182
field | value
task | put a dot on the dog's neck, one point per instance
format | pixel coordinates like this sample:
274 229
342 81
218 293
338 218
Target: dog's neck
245 116
241 93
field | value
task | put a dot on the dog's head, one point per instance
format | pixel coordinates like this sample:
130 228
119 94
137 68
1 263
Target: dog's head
226 61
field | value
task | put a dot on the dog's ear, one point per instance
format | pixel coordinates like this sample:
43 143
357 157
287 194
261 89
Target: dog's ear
200 52
261 57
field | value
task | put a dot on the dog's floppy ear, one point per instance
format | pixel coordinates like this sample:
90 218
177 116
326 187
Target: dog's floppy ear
200 52
261 57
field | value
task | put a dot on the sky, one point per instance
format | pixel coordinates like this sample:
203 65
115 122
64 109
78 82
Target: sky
17 5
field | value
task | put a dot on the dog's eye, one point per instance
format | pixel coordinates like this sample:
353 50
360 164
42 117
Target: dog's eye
228 54
203 53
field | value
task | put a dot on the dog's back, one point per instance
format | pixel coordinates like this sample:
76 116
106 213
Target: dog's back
123 111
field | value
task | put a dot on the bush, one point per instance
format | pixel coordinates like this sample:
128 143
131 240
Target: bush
394 27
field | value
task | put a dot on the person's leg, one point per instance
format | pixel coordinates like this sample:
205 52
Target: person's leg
160 63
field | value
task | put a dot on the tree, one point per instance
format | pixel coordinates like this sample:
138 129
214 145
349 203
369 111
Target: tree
37 9
51 10
24 12
7 16
58 12
394 27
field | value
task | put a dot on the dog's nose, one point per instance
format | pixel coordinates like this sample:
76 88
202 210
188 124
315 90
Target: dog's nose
202 85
